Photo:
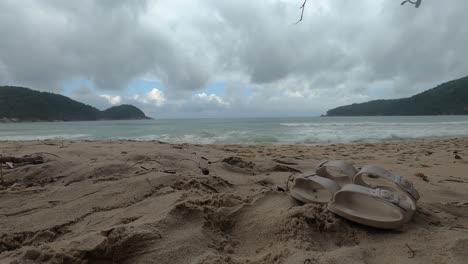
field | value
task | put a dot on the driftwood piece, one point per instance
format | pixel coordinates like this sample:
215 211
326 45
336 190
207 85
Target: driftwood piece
25 159
9 165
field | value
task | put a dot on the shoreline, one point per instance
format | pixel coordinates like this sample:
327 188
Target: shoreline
133 201
399 141
309 131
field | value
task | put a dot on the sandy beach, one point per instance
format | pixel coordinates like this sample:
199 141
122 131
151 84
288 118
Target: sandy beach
102 202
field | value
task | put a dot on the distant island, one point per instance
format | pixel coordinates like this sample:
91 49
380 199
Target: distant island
19 104
450 98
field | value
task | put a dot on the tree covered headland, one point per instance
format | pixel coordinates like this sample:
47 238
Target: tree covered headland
24 104
450 98
123 112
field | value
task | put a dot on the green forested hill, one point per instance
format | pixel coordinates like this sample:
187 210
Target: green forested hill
450 98
24 104
123 112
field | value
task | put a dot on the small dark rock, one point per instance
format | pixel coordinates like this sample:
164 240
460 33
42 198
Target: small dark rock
422 176
457 157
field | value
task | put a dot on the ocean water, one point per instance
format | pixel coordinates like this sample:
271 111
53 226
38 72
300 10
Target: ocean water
313 130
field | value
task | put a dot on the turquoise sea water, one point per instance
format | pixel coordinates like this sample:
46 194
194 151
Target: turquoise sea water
314 130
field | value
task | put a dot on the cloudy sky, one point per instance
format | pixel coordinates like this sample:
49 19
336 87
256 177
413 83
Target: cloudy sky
223 58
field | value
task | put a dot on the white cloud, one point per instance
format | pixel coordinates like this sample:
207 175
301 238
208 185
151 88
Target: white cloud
211 98
155 97
113 100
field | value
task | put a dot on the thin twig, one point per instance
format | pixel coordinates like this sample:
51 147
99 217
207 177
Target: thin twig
413 253
416 3
302 12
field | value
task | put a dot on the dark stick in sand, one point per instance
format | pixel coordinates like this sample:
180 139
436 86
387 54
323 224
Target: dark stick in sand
412 252
25 159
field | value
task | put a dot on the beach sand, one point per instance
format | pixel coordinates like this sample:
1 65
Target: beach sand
103 202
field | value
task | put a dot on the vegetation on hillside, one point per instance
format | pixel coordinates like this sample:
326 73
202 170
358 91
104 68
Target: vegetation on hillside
123 112
450 98
24 104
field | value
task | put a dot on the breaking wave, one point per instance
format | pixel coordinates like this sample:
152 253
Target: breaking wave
249 131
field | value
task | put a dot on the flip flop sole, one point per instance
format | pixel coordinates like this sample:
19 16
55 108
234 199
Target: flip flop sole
371 207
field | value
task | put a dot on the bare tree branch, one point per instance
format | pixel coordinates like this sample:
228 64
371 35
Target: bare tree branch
416 4
302 12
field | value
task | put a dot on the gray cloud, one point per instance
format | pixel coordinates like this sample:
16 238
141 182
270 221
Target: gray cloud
342 52
89 96
104 41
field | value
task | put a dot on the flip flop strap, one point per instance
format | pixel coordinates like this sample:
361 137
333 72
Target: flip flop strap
328 184
381 194
344 167
376 171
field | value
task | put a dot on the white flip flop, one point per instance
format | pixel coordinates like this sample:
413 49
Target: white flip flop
398 181
313 189
345 173
377 208
338 170
372 207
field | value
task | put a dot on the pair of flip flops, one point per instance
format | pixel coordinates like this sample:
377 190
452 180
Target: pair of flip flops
371 196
